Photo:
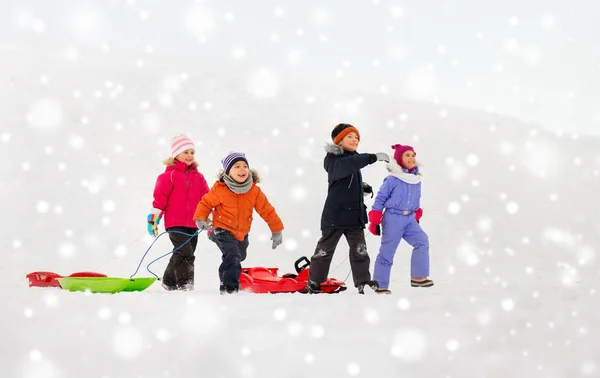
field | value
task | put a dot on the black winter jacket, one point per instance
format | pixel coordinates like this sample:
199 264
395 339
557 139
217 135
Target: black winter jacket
345 204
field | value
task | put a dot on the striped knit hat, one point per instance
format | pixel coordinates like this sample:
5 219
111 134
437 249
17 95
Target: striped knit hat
181 143
232 158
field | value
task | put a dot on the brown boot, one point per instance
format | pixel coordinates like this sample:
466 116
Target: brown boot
383 291
424 282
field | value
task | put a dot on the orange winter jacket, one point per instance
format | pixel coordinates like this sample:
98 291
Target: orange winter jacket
233 212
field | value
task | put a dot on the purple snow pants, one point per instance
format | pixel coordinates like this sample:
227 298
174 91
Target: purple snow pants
394 228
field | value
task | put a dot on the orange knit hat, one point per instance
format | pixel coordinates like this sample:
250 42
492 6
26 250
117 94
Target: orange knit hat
340 131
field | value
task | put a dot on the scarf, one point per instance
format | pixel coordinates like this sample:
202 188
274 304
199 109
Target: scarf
236 187
397 171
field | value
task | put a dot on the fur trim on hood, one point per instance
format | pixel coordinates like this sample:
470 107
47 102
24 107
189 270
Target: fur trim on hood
171 161
255 176
397 171
334 149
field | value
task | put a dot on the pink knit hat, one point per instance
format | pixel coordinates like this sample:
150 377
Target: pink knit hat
399 151
181 143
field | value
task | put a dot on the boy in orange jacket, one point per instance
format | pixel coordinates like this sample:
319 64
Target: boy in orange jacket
234 197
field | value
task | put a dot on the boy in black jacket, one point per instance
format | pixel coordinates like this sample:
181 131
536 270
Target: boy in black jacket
344 212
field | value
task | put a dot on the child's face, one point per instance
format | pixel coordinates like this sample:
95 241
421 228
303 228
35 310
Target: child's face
350 142
409 160
186 156
239 171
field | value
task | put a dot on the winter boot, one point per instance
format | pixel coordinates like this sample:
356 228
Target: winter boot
421 283
186 287
383 291
313 287
168 287
372 284
227 289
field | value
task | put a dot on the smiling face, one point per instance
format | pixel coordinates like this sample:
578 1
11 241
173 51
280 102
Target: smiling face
350 142
186 156
409 160
239 172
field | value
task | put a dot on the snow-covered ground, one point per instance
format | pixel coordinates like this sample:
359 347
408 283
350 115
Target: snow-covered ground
511 208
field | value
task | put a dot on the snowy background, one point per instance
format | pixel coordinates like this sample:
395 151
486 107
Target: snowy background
499 100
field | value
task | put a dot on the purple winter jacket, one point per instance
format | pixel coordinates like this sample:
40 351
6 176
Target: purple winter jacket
400 191
177 193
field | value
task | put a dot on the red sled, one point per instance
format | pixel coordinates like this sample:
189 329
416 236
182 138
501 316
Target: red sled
49 279
262 280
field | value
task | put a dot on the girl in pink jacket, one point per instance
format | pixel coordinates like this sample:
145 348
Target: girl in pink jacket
176 195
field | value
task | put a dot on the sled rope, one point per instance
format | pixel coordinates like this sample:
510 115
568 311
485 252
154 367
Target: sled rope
340 264
166 254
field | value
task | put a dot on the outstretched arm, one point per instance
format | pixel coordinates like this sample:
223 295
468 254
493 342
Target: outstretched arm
343 167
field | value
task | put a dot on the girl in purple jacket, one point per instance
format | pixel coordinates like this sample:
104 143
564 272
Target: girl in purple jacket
176 195
400 197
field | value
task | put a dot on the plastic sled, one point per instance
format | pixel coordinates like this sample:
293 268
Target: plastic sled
49 279
105 284
262 280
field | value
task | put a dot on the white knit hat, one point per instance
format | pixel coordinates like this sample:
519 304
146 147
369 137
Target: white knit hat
181 143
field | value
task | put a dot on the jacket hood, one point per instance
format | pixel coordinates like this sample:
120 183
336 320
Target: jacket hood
169 162
334 149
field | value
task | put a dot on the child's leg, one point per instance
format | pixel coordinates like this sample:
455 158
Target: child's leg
244 248
230 268
180 270
419 261
392 229
321 260
359 258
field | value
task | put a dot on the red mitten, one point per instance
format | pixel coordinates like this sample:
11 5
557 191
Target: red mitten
375 216
418 214
375 229
375 220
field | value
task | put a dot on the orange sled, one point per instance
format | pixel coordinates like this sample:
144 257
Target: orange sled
262 280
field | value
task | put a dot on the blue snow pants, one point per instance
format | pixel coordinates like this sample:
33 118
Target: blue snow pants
395 227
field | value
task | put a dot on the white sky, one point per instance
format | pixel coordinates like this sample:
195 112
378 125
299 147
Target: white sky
538 61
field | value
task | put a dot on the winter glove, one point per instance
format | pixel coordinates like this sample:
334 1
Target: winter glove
375 229
382 156
277 238
204 224
375 217
367 189
153 222
418 214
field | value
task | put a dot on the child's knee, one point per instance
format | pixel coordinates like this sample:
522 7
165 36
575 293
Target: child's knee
383 260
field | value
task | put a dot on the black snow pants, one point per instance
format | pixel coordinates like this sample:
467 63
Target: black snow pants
180 270
233 253
359 258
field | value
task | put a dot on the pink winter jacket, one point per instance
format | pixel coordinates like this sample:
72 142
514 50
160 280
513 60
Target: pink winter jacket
177 192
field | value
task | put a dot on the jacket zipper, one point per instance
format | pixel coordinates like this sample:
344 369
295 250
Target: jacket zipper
187 193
